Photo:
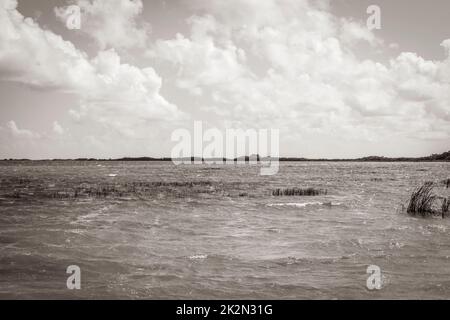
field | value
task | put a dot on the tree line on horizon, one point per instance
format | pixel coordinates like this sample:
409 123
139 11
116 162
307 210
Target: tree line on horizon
445 156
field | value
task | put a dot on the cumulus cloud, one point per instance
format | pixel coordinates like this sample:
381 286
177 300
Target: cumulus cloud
200 61
352 31
16 132
38 57
288 64
112 23
292 64
113 93
57 128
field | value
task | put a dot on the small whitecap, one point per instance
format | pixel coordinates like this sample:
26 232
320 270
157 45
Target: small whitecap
198 257
304 204
396 245
294 204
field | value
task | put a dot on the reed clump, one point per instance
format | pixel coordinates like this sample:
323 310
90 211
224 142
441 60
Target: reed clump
446 183
422 200
298 192
445 206
140 189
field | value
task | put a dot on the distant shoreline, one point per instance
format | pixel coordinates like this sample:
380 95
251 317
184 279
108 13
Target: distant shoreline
444 157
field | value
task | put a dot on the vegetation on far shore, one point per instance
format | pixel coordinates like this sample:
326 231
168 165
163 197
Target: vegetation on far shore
435 157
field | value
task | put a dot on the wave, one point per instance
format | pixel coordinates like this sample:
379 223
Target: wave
304 204
198 257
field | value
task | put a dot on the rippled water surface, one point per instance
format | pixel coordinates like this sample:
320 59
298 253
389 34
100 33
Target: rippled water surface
155 230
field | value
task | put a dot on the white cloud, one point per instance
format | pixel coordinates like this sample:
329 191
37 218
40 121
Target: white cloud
20 133
112 23
117 95
200 61
57 128
352 31
293 65
287 64
446 45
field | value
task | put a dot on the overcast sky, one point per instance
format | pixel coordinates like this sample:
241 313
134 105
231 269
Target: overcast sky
137 70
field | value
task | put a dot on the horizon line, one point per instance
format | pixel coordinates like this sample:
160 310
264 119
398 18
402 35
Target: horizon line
445 156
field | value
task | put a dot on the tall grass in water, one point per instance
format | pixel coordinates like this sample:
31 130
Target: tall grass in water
112 190
421 201
446 183
298 192
445 206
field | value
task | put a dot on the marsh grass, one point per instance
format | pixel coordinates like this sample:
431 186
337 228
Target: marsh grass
298 192
422 200
446 183
445 206
139 189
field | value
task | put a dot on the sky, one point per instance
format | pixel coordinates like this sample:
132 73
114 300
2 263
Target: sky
138 70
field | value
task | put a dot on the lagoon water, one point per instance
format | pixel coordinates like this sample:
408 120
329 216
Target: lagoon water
156 231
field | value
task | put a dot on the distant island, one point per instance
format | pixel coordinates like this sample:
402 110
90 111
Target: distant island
433 158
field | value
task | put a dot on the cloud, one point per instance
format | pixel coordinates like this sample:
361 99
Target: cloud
352 31
38 57
446 45
200 61
288 64
57 128
293 65
20 133
112 23
117 95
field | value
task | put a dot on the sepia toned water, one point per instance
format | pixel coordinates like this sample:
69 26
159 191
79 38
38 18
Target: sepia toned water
153 230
